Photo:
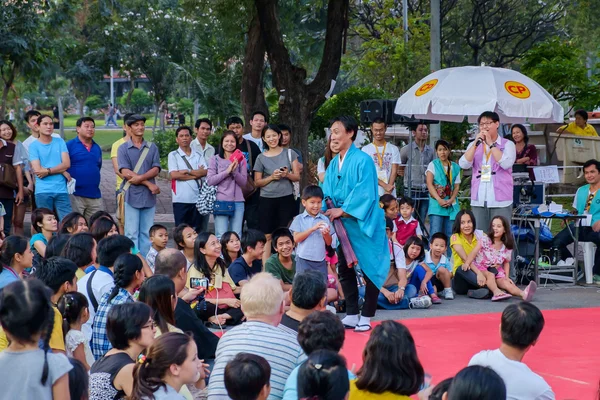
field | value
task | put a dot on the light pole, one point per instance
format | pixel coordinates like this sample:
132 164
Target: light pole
436 55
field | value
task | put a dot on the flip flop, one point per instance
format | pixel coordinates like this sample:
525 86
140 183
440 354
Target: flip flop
350 326
362 328
530 291
502 296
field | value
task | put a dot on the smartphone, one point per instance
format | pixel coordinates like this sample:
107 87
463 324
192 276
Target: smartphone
493 270
236 155
199 282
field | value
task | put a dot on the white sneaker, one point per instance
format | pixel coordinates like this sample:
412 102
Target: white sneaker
561 263
420 302
448 294
570 261
331 309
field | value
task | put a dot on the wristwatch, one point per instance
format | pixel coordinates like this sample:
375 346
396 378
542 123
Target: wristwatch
401 288
493 145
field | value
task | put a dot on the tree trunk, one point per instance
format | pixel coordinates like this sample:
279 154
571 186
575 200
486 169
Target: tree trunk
130 93
61 117
8 81
156 105
196 111
253 96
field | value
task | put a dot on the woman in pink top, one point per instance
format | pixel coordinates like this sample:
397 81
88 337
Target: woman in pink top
490 260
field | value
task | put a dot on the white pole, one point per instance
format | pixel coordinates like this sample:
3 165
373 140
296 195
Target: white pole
112 87
405 19
436 56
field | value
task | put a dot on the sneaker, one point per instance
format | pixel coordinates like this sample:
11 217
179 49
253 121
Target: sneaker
482 293
596 279
530 291
448 294
570 261
420 302
435 299
331 309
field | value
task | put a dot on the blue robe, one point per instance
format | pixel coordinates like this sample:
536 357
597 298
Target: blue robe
354 190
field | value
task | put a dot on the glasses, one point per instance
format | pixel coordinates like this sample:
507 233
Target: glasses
151 325
486 123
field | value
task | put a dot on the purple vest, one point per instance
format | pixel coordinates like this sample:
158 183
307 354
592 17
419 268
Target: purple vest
502 181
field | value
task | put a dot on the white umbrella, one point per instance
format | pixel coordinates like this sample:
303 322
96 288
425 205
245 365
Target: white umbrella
451 94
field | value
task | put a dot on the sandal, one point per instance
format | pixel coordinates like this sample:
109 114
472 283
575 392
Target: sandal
502 296
363 328
530 291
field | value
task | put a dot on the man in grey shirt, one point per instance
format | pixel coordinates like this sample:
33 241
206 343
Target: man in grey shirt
140 198
422 155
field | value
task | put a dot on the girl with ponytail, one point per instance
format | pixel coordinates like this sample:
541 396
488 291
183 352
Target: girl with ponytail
74 308
129 275
26 316
323 377
170 363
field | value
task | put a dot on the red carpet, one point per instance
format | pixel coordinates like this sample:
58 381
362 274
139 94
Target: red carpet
567 355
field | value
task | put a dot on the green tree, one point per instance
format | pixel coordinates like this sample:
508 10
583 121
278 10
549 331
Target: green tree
138 101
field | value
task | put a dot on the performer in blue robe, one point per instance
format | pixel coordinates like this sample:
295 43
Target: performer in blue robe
351 183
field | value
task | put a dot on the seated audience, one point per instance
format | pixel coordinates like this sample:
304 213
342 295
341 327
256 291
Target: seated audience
262 304
308 293
15 258
406 225
219 305
159 293
477 383
27 316
56 245
437 393
81 249
59 275
323 376
44 222
520 329
129 275
171 263
281 264
74 310
73 223
98 215
79 381
159 237
104 227
247 377
391 368
439 264
184 237
321 330
130 330
231 247
250 263
579 126
463 241
170 363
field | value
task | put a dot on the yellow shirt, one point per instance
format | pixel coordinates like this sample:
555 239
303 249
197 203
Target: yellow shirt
458 238
3 340
356 394
575 130
57 340
79 273
113 154
194 273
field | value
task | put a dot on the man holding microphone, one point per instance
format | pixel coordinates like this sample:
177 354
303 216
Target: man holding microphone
491 158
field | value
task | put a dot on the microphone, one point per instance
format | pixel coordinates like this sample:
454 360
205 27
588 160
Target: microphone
478 142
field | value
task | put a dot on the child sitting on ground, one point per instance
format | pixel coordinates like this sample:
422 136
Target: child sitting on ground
436 259
74 309
250 263
312 232
159 237
406 225
247 376
418 273
491 258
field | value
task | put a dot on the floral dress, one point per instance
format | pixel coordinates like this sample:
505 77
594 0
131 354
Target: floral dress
488 256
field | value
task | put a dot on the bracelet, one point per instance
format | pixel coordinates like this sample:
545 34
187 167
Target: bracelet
49 171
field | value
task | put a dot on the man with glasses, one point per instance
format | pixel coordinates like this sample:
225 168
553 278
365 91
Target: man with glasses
491 158
586 202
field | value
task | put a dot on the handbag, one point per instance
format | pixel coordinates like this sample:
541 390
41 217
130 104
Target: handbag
8 176
206 199
224 293
226 208
295 185
250 187
121 196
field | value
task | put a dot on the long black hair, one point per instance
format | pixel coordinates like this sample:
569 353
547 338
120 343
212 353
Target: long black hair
158 292
79 249
461 213
101 227
507 237
224 240
26 311
71 305
126 265
477 383
12 245
323 376
200 262
70 221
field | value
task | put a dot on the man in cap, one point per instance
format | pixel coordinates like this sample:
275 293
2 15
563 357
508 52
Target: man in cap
141 189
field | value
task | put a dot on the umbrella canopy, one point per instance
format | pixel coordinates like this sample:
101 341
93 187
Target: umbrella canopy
451 94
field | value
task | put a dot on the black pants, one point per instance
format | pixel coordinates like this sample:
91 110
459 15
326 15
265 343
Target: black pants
464 281
251 211
187 213
276 212
586 234
349 285
8 207
204 313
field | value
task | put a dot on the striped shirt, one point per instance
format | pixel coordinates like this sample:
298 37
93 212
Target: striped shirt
279 347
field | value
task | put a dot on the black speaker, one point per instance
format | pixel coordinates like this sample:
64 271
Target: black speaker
370 110
393 118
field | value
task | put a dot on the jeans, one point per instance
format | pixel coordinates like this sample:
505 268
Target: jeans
111 118
439 223
586 234
8 204
417 278
382 301
138 222
59 202
224 223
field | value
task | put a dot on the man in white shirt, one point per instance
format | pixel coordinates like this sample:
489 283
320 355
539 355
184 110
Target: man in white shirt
491 158
386 157
258 122
31 118
186 168
200 144
520 328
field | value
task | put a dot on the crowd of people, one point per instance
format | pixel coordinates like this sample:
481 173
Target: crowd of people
138 317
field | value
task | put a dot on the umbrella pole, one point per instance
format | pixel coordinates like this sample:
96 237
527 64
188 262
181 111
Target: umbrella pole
408 168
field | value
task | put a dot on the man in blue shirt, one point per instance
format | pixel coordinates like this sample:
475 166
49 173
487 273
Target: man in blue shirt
50 160
86 163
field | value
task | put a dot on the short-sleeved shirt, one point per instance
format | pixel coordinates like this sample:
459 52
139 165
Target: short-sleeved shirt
85 168
151 257
257 141
57 340
49 155
102 282
207 152
185 191
194 273
397 261
139 196
459 239
248 147
114 153
239 270
443 263
7 276
268 165
100 343
25 368
572 128
489 256
420 161
313 247
8 155
27 142
384 158
276 268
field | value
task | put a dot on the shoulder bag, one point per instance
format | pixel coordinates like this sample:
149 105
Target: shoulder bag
207 196
250 187
121 196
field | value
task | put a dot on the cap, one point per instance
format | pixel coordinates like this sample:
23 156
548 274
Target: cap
135 118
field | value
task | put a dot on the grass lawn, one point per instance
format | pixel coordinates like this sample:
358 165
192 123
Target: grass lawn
71 120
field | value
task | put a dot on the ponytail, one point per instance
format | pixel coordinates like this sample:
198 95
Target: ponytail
46 348
126 265
150 370
71 306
